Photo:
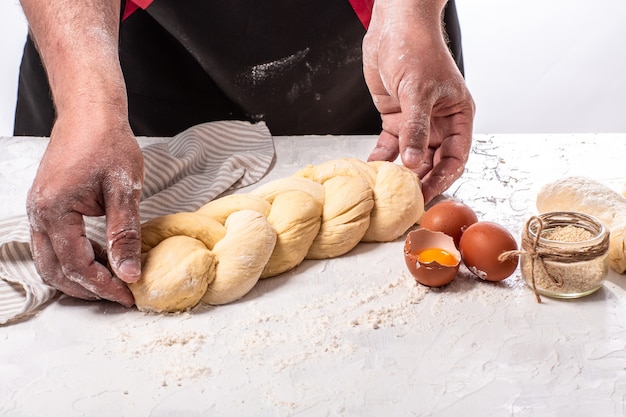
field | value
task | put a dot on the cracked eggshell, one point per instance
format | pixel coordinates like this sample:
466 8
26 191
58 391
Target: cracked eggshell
431 274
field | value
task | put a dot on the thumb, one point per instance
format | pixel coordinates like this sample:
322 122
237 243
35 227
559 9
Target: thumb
124 236
124 247
413 139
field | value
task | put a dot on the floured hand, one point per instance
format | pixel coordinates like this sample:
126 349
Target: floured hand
427 111
88 169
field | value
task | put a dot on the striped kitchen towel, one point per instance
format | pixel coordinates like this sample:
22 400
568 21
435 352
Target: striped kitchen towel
181 174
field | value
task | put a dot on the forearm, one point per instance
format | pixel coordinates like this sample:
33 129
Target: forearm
78 43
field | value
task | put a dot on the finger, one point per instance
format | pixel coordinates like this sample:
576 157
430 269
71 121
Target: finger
427 164
441 178
414 136
450 165
386 149
108 287
77 259
124 230
50 270
100 253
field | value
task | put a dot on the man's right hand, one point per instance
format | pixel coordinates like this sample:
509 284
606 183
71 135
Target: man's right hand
426 108
88 169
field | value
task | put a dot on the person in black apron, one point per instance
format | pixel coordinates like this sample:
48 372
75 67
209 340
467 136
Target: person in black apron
302 67
297 68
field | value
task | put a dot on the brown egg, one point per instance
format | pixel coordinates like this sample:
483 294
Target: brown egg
481 245
432 257
450 217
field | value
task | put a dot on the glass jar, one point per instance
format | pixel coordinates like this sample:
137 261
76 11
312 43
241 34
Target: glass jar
564 254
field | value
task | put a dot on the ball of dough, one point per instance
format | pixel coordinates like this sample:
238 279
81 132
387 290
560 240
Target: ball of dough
174 275
581 194
589 196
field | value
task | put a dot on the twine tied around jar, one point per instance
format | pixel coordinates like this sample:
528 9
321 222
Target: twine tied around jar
541 252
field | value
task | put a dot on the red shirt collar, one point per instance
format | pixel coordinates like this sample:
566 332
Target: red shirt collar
362 8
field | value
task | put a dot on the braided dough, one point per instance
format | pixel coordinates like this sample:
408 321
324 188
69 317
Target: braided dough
591 197
218 253
175 275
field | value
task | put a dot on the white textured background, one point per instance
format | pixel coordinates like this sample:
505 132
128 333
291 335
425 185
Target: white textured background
533 66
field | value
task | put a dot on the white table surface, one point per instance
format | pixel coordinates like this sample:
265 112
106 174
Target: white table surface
351 336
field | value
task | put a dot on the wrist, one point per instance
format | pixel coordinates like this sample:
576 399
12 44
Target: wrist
413 15
92 95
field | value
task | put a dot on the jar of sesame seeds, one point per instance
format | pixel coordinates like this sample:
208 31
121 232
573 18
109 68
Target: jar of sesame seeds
564 254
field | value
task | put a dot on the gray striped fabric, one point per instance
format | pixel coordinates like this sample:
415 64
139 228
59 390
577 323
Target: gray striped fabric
181 174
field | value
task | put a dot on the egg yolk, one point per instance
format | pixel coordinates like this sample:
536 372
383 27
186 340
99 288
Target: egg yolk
441 256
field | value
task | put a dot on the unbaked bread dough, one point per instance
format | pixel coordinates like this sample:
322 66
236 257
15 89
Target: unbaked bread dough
206 229
218 253
348 167
174 275
223 207
589 196
348 189
398 202
345 217
242 256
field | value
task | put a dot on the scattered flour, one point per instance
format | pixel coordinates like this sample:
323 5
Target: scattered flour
329 327
170 356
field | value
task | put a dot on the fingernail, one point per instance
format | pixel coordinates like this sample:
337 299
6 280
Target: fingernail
411 157
129 302
130 270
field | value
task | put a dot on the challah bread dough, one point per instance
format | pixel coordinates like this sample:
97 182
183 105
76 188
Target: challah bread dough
270 190
398 202
242 255
296 216
206 229
344 220
174 275
348 167
227 245
588 196
348 189
223 207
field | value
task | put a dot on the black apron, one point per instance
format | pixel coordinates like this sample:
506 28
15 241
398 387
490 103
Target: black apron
297 65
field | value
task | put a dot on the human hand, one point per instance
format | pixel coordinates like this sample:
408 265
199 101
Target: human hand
427 111
88 169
